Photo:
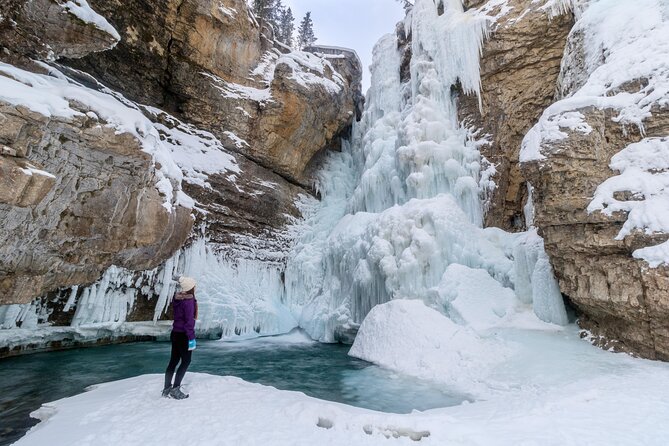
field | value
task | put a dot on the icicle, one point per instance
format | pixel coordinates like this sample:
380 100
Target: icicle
71 300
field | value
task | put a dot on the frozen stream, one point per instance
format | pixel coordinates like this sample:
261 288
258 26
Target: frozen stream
288 362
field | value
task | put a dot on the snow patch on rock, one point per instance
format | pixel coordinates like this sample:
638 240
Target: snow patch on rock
81 10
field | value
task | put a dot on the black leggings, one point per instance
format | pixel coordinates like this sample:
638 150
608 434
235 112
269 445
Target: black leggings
181 353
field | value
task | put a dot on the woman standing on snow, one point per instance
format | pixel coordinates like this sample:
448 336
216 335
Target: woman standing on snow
182 337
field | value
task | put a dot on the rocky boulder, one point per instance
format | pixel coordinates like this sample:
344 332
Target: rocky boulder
50 29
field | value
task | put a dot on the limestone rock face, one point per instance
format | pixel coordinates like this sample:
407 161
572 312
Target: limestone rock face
91 203
49 29
625 303
160 39
520 63
76 195
208 63
22 184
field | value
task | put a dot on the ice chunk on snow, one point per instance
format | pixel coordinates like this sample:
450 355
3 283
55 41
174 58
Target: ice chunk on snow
408 336
473 298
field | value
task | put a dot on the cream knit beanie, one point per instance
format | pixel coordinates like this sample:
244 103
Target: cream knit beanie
186 283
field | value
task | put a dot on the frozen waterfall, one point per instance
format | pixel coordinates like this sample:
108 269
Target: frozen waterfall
401 213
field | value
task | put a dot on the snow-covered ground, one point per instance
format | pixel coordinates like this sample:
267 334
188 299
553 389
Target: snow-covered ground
546 387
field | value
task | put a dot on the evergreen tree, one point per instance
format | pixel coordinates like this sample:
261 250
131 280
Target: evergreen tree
267 11
286 27
305 34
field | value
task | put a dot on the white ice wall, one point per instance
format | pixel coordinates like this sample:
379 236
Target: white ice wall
237 297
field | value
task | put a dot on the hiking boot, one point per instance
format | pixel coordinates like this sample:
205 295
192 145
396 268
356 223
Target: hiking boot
166 392
177 394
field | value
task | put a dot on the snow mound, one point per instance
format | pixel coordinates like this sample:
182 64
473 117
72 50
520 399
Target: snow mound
408 336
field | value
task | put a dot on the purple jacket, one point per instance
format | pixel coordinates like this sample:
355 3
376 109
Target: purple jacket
185 308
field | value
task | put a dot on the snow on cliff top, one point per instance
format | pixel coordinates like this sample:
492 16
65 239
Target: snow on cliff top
182 152
308 70
623 41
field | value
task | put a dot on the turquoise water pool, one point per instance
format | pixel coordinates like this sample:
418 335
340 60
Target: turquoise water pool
323 371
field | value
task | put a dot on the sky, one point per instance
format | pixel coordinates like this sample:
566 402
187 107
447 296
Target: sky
356 24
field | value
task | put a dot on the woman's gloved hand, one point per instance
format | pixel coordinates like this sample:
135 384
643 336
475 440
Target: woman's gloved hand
192 345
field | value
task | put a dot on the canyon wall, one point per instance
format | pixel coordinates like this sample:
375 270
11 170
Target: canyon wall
583 104
130 129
